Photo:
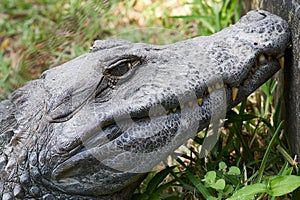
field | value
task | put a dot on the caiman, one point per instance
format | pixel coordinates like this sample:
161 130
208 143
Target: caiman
94 126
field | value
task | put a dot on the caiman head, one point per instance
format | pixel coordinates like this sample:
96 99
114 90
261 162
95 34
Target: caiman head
109 116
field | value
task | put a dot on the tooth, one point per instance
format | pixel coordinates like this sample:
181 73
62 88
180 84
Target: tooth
174 110
209 89
200 101
205 92
190 104
235 91
262 59
168 112
218 85
281 62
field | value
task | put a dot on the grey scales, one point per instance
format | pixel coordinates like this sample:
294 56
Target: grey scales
93 127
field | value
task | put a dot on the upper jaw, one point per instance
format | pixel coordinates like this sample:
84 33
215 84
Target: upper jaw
263 66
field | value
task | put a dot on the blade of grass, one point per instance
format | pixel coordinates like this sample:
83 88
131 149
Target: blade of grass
266 155
157 179
198 184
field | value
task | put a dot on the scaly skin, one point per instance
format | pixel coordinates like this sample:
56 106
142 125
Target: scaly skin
92 127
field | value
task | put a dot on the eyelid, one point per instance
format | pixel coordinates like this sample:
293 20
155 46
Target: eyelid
131 62
118 63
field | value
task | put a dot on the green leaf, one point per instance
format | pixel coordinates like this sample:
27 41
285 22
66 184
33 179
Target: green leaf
163 187
210 177
234 171
228 189
222 166
281 185
233 117
248 192
157 179
219 184
197 183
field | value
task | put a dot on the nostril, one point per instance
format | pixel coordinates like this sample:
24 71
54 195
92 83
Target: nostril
262 13
254 16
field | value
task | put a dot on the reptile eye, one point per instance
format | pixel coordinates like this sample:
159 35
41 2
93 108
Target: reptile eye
121 67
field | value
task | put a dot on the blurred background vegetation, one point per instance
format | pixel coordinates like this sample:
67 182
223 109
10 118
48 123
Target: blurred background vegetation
36 35
39 34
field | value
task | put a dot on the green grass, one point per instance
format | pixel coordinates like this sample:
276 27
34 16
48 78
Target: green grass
252 150
36 35
212 16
